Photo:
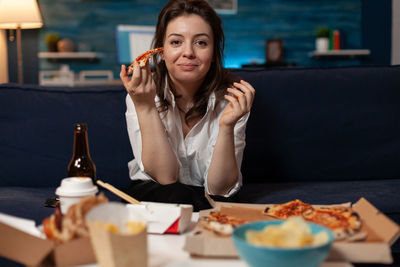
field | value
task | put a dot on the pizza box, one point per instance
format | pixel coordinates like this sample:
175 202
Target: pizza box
21 244
382 233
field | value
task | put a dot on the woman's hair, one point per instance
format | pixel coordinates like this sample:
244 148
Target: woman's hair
217 78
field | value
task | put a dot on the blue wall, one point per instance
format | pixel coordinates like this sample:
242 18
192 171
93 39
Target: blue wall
92 24
292 20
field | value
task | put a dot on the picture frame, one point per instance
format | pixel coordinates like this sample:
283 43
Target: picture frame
274 51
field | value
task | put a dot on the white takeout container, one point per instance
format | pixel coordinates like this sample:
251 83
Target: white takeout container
73 189
164 218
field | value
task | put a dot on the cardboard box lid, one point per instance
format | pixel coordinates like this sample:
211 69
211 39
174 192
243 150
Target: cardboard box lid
31 250
361 252
23 247
207 244
388 230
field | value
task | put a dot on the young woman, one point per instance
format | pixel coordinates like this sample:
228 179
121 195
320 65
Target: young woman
186 120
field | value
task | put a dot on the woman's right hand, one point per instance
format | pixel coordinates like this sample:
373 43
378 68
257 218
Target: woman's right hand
140 86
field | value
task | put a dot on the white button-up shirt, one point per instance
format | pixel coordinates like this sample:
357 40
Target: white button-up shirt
194 152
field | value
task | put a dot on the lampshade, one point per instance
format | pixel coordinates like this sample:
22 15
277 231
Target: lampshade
19 13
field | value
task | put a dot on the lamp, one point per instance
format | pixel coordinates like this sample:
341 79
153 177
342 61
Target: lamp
19 14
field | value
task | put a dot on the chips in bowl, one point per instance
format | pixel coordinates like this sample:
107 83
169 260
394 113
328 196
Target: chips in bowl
308 247
293 233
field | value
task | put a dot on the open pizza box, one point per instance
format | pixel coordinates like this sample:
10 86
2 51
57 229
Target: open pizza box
23 242
382 233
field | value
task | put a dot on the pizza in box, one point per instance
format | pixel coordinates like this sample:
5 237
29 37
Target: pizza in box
345 223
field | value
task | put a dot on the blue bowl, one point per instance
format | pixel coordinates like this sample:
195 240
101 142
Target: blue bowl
257 256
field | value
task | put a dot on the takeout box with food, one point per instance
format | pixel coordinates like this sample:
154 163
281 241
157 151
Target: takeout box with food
63 238
368 242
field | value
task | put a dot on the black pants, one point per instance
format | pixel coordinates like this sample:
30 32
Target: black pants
172 193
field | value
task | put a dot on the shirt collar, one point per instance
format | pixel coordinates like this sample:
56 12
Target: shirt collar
169 96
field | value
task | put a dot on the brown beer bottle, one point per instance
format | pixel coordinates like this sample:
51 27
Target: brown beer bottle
81 164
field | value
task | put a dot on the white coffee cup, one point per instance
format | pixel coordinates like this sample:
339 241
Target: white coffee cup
73 189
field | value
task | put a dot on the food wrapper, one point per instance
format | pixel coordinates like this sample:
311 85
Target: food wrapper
112 239
164 218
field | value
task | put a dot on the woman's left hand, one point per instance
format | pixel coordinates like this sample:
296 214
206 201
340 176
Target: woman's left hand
241 99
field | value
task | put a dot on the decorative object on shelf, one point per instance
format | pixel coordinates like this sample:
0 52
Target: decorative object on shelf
66 45
95 76
19 14
66 77
336 39
63 76
322 38
274 51
51 41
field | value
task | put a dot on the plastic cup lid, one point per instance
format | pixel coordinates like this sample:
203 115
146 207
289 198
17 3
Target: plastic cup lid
76 187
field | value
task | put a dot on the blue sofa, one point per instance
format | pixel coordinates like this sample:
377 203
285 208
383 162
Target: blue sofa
320 135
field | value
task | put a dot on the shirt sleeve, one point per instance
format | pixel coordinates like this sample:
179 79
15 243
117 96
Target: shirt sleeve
136 168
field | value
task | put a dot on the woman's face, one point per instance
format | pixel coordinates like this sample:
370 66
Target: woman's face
188 49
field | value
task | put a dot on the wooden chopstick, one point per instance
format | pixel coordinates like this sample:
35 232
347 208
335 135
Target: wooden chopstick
118 192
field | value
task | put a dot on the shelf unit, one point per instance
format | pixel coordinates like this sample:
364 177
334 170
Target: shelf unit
350 53
66 77
70 55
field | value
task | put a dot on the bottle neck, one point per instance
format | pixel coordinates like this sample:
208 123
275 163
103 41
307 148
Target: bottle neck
81 147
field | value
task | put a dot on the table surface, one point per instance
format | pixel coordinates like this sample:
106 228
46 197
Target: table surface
167 251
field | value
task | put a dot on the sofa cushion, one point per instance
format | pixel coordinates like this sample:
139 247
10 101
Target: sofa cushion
323 124
37 132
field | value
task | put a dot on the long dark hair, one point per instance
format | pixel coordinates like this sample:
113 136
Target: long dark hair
217 78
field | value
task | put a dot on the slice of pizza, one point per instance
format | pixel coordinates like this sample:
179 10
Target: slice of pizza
142 59
288 209
343 221
220 223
